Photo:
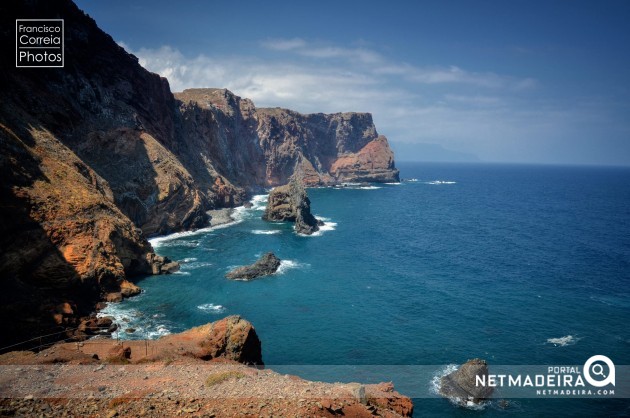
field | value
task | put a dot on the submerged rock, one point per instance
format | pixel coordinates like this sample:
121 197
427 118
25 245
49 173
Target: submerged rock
264 266
460 385
291 203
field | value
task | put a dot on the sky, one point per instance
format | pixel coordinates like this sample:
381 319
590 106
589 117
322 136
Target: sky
495 81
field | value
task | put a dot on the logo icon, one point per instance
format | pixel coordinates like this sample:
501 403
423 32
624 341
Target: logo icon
593 367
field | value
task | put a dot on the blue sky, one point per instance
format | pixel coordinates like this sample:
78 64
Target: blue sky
502 81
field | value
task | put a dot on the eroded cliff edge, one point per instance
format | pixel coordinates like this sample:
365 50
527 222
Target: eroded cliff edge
98 155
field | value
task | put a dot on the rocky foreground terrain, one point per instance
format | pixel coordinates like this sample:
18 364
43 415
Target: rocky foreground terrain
199 372
99 155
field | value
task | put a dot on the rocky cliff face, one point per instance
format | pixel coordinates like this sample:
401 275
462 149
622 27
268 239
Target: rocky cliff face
264 147
99 154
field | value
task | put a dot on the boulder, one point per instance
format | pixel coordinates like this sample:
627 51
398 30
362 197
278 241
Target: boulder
291 203
264 266
460 385
118 353
161 265
231 338
384 396
128 289
113 297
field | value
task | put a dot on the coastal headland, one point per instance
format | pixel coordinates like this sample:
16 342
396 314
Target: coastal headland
100 155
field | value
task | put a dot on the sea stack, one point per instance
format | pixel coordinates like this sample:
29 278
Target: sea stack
460 385
291 203
264 266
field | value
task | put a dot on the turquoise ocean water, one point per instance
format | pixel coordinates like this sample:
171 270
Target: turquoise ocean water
514 264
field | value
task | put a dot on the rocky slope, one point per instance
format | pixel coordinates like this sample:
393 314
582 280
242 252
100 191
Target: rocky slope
100 154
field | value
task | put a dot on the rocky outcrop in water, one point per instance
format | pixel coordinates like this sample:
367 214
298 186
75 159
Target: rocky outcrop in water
460 385
290 203
162 265
264 266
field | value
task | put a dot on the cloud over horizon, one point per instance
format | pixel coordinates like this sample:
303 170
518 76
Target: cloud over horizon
494 116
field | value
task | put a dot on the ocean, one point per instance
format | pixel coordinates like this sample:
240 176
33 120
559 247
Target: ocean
515 264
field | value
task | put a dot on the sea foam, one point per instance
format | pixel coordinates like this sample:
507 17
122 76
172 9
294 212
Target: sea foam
328 226
435 384
563 341
195 265
440 182
128 318
286 265
266 232
211 307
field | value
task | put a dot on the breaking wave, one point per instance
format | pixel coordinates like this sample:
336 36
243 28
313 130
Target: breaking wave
357 186
328 226
266 232
434 388
211 307
440 182
133 324
563 341
195 265
286 265
259 202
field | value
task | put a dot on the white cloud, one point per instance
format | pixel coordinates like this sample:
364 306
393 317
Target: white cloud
478 112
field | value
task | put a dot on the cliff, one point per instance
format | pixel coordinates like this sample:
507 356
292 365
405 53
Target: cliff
98 155
269 145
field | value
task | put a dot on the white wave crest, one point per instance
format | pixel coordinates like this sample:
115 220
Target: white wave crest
328 226
265 232
127 319
211 307
440 182
435 381
434 388
357 186
394 184
159 331
259 202
286 265
188 260
411 180
195 265
173 240
563 341
182 273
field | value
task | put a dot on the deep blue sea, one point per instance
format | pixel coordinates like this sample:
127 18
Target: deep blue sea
516 264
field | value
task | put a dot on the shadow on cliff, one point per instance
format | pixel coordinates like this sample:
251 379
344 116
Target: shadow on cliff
121 158
33 273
